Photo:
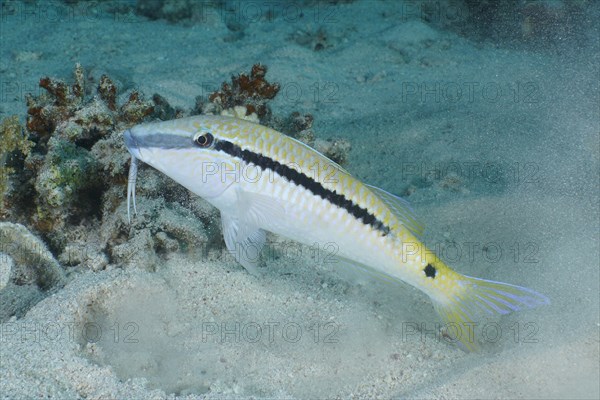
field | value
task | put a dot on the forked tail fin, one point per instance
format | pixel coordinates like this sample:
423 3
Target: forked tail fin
479 296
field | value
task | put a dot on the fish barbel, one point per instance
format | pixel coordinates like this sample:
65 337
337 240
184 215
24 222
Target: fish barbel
262 180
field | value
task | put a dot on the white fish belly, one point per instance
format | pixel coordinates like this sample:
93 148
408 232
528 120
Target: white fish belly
313 221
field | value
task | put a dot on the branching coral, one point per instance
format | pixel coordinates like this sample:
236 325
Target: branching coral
67 111
73 161
252 92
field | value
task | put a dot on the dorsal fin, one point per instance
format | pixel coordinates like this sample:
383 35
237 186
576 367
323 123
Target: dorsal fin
401 210
318 154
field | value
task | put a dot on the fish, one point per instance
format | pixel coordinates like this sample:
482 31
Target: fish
263 181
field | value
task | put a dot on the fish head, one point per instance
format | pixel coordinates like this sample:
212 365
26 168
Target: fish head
186 150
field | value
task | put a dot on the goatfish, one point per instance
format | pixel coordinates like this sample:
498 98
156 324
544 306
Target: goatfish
264 181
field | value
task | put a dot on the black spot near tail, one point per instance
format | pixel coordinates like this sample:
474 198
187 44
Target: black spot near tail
430 271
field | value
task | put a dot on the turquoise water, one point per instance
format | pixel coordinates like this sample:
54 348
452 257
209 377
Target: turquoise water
484 117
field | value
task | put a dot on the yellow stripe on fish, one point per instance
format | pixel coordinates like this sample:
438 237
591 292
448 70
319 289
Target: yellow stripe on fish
298 193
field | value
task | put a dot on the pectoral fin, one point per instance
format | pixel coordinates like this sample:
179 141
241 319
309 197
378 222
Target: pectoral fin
243 231
258 210
243 241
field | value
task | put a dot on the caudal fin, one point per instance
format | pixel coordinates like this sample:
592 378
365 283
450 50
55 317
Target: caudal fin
479 296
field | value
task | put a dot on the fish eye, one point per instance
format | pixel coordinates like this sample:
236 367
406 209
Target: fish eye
204 139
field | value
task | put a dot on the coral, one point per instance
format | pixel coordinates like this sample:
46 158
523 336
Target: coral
12 139
68 170
58 104
76 133
135 110
240 113
108 92
252 92
64 110
163 110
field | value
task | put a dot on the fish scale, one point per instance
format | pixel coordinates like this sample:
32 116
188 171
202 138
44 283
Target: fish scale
291 153
302 195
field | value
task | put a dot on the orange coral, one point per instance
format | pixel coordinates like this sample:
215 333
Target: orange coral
251 92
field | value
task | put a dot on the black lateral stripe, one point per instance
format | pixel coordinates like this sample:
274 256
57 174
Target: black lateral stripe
303 180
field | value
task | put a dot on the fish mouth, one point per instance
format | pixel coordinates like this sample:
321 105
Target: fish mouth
132 144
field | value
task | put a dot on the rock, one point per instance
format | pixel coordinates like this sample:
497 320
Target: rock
6 266
34 263
28 271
